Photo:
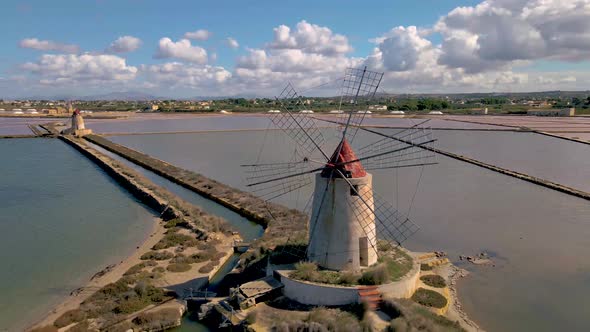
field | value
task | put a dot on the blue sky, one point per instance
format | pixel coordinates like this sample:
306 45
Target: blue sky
94 25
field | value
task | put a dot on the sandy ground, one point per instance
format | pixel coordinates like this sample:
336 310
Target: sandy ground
112 275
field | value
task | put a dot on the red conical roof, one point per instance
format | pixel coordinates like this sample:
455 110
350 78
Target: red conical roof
344 154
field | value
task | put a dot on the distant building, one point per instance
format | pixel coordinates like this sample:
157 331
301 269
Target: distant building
552 112
397 112
435 113
479 111
274 111
537 104
378 107
77 128
306 111
336 111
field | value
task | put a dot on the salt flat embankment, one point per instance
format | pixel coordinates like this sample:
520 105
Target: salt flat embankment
518 175
285 222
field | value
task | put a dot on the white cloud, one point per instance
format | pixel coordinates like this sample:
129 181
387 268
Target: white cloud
401 48
124 44
176 74
48 45
200 35
182 50
309 56
85 68
310 38
232 43
495 33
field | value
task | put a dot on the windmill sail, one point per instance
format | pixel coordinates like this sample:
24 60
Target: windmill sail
358 88
409 147
298 124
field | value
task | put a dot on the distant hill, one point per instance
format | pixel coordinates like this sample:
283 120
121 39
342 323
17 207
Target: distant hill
126 96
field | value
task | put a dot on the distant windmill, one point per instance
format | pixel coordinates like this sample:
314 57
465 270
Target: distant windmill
347 217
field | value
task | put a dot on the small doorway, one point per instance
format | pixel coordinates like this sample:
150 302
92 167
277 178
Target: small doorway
363 251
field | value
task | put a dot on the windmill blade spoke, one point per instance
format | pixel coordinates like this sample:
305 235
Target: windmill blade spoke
271 181
358 88
301 127
413 147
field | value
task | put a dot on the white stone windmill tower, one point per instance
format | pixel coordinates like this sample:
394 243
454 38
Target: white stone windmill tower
347 217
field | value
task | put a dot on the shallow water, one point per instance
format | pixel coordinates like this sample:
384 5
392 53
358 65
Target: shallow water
539 237
61 220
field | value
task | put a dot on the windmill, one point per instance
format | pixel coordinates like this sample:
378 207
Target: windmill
347 218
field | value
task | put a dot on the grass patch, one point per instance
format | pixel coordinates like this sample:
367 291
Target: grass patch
425 267
208 267
308 271
318 319
178 267
429 298
157 320
174 240
408 316
137 268
177 222
157 255
392 266
69 317
434 280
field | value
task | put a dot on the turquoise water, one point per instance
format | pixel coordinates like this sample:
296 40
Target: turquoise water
61 220
539 238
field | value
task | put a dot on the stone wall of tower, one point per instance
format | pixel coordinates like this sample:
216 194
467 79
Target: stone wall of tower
77 122
342 228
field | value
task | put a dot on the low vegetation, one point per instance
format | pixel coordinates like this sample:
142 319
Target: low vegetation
318 319
393 265
157 255
114 301
408 316
137 268
156 321
429 298
172 239
178 267
425 267
434 280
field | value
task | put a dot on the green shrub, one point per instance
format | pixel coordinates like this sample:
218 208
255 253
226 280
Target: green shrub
425 267
177 222
178 267
429 298
131 304
174 239
409 316
434 280
137 268
157 320
384 246
159 269
348 278
69 317
157 255
376 275
207 267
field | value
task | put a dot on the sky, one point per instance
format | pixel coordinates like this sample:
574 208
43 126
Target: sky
184 49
